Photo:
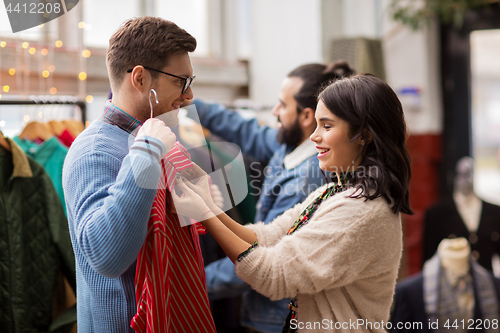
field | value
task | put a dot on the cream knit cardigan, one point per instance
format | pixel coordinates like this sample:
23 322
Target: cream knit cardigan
342 265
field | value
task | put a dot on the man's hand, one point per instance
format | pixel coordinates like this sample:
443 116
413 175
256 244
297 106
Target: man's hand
157 129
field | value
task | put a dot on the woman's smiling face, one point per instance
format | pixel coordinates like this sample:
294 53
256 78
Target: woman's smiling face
332 137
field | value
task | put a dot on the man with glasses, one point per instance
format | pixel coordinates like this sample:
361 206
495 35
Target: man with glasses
108 208
292 172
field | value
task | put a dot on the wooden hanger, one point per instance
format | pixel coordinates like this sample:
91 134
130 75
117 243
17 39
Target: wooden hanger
3 142
74 127
36 129
57 127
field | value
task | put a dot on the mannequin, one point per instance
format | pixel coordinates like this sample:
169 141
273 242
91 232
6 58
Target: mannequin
451 287
454 255
468 204
464 215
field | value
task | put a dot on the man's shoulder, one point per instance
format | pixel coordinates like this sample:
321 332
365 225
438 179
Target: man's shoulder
103 138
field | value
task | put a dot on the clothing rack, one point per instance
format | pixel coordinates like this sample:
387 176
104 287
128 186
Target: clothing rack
81 104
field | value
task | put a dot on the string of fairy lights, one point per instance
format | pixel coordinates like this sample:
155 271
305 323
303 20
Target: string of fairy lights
44 54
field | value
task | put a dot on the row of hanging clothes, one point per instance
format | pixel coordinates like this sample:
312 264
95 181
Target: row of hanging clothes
48 143
37 265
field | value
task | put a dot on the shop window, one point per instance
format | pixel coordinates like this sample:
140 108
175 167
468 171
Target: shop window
485 70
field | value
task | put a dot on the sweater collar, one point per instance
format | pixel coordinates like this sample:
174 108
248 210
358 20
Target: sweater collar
21 164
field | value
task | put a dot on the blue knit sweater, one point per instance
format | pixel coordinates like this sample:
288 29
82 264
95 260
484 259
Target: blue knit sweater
108 214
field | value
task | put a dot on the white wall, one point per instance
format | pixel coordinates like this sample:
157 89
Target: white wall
286 34
412 59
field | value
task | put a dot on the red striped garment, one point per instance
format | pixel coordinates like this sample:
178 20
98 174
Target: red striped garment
171 290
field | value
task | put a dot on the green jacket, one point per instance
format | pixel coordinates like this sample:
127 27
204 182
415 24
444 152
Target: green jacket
34 244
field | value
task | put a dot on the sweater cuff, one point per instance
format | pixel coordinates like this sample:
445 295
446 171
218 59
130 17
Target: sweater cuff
150 145
247 251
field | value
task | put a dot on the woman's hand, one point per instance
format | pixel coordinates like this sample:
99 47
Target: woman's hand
190 204
216 195
197 180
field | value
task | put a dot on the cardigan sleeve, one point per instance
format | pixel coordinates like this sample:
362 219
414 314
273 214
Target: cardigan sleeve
347 240
268 234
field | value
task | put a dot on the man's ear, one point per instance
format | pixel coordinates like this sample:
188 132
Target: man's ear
307 117
140 78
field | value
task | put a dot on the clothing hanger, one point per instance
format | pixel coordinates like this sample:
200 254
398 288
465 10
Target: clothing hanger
36 129
4 143
74 127
56 127
156 99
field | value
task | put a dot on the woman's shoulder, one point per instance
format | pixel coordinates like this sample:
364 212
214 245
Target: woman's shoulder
353 205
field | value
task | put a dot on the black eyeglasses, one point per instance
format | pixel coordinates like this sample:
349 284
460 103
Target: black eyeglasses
188 81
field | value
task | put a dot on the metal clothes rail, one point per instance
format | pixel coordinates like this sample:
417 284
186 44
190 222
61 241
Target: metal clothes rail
81 104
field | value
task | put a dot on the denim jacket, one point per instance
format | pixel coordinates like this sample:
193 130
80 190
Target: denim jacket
281 190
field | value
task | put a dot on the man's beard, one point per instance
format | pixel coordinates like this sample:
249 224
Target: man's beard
291 136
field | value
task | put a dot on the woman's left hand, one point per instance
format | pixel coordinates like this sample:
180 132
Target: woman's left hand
190 204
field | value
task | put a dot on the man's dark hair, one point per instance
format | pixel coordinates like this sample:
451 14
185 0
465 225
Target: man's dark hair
316 77
368 104
148 41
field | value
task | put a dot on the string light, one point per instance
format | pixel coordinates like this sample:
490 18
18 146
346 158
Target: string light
45 52
89 99
59 43
81 25
82 76
86 53
2 44
32 50
53 90
52 68
26 118
41 26
6 88
12 71
40 114
0 96
2 123
45 73
25 45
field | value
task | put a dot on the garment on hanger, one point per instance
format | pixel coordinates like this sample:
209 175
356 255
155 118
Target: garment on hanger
34 244
61 132
50 154
171 290
36 130
429 298
4 144
66 138
444 221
